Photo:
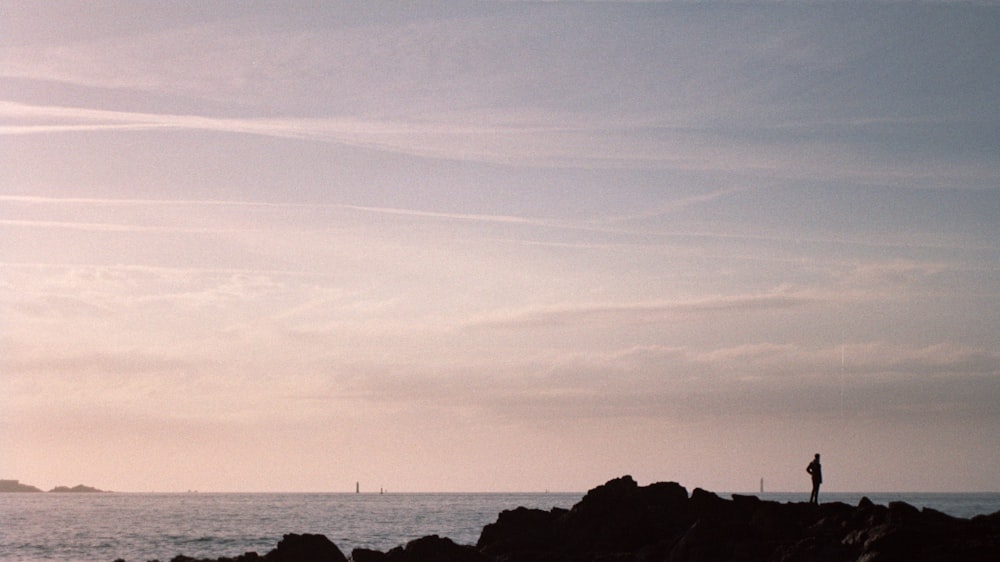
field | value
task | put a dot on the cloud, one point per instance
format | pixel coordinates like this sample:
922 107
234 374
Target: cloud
95 309
578 314
556 144
173 205
676 87
105 227
109 366
553 143
872 380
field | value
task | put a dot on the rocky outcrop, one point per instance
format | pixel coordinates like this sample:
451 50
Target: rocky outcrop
621 521
291 548
426 549
624 522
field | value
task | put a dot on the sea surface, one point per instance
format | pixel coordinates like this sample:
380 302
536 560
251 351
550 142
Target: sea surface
42 527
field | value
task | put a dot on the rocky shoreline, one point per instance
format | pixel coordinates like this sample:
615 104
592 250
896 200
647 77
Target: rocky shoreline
621 521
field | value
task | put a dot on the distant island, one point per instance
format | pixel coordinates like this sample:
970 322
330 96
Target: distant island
78 489
14 486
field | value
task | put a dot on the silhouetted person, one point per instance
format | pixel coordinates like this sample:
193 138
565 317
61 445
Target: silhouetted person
816 471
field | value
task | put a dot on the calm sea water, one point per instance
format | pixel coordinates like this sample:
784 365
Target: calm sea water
141 527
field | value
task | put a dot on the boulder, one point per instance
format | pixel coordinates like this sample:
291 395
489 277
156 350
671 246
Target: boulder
305 548
621 516
519 530
367 555
433 548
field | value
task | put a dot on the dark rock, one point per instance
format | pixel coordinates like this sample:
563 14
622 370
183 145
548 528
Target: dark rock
621 521
771 522
707 504
519 530
813 549
991 520
247 557
367 555
305 548
708 539
902 512
622 517
669 502
433 548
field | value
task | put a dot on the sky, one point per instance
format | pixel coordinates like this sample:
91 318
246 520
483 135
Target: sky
499 246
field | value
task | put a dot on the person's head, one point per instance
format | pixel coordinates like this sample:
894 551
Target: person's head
817 456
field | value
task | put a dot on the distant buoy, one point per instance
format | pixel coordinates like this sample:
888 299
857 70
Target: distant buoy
357 487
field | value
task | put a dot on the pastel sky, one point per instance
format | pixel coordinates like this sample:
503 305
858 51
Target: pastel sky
492 246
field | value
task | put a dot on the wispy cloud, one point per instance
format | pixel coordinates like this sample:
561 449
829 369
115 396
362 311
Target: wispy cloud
173 203
597 143
682 203
688 385
546 144
106 227
583 314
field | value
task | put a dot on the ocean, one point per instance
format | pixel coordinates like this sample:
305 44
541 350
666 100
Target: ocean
43 527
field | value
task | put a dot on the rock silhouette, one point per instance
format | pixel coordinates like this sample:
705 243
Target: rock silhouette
78 489
426 549
291 548
14 486
621 521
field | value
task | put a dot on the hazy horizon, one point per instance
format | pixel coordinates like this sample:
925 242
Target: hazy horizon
581 493
482 246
